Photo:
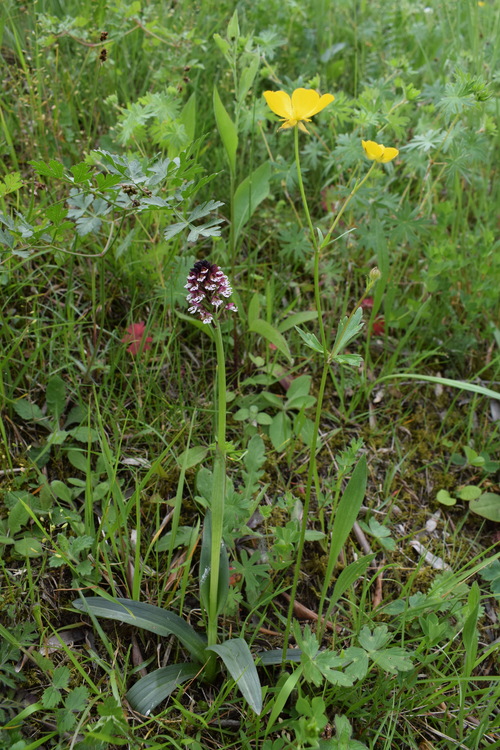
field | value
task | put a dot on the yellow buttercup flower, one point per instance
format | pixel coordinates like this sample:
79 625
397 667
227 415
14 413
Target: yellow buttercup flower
303 104
378 152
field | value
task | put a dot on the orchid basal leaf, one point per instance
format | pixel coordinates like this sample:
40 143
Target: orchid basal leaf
241 666
151 690
146 616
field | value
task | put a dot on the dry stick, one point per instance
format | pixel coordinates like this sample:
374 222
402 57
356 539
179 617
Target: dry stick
304 613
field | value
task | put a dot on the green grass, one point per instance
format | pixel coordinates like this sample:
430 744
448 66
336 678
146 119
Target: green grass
94 472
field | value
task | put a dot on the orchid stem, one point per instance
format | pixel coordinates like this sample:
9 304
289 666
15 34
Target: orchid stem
218 488
217 504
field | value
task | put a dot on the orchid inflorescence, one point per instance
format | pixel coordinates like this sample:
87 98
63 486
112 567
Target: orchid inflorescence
207 285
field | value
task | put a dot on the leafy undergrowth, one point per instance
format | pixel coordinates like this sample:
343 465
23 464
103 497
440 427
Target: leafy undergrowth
119 172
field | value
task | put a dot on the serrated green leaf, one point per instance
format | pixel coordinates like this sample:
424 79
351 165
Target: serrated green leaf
374 641
392 660
310 340
76 700
209 229
351 360
107 181
357 667
84 568
87 224
51 697
18 517
174 229
10 183
347 330
327 662
203 209
377 529
80 543
56 213
255 456
60 678
81 172
52 169
240 664
65 720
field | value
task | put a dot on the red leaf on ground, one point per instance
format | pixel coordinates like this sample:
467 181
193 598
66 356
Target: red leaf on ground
135 337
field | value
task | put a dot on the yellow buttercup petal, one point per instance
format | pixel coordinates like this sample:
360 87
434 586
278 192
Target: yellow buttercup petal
307 102
280 103
378 152
389 154
303 104
373 150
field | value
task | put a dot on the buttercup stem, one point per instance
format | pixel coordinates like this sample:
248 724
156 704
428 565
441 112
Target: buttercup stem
321 393
317 296
319 404
348 199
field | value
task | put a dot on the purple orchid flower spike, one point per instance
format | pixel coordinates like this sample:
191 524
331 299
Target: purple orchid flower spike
208 289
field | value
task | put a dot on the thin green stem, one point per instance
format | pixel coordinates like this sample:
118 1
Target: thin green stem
314 240
218 490
327 359
351 195
307 501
